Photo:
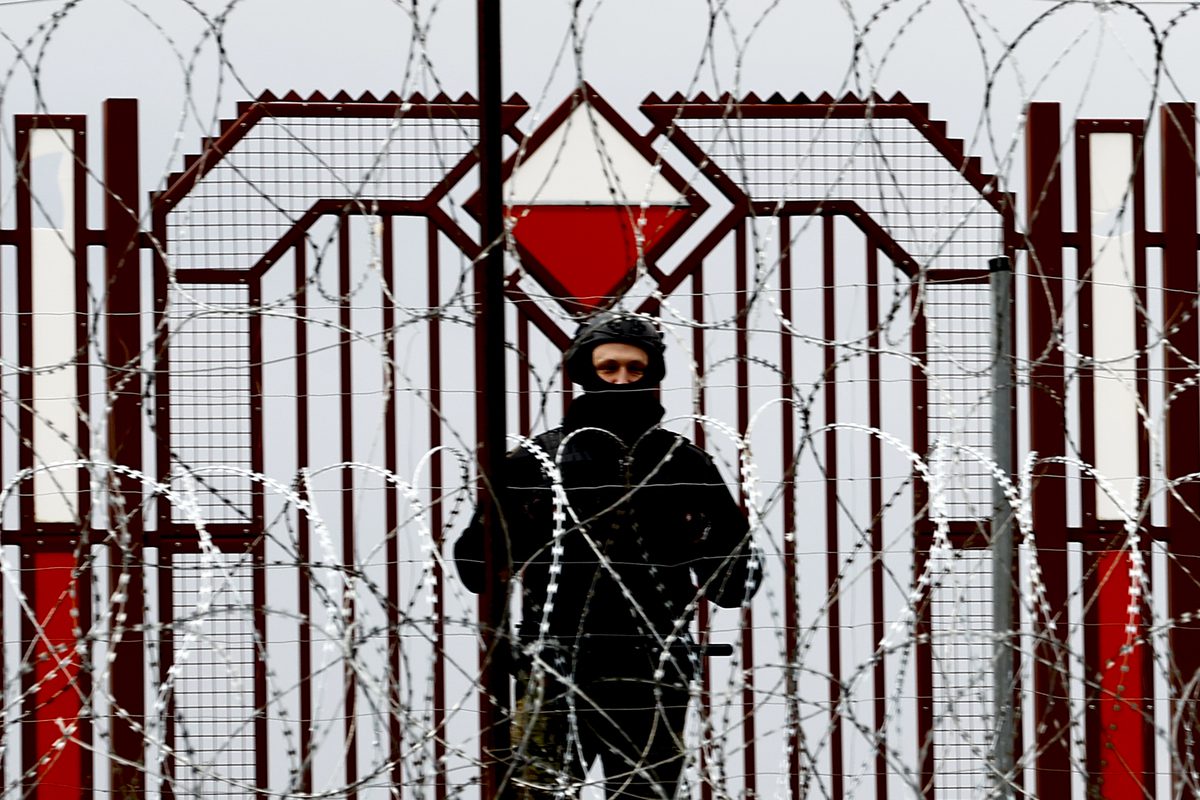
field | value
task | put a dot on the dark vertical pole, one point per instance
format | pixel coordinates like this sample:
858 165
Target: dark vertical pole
168 543
922 626
791 604
489 332
436 502
304 779
1047 415
1182 416
1002 543
832 547
706 789
875 412
258 557
122 355
346 392
743 404
391 506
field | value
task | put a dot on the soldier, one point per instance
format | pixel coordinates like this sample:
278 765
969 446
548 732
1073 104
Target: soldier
650 530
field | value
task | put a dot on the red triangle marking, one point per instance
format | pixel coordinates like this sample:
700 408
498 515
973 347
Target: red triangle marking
590 251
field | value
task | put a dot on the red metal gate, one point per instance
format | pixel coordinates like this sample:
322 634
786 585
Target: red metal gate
305 385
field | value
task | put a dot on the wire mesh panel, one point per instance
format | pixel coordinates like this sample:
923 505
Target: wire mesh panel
252 195
209 390
962 645
958 369
211 684
887 167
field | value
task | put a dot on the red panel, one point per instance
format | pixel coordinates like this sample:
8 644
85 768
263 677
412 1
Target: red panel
588 252
1122 688
56 698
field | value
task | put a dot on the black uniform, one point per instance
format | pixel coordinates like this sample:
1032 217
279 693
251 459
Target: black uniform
609 611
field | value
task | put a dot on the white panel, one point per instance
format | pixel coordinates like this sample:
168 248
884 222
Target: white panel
587 161
1115 401
55 395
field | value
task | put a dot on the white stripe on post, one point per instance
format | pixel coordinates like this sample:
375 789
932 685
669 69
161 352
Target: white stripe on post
1115 398
55 390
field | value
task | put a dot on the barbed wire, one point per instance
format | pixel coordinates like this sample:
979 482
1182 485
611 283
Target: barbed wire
308 418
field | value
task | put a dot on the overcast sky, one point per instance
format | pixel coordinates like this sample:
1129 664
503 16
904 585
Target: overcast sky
190 61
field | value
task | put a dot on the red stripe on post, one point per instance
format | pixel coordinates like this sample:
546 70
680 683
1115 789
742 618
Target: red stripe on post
1122 683
57 760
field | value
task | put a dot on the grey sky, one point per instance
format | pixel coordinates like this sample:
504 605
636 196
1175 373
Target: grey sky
1097 58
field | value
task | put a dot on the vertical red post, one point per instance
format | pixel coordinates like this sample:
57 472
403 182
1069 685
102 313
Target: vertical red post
122 355
1120 745
706 789
1047 414
791 606
875 411
922 625
437 503
346 391
743 403
304 587
832 533
1183 412
53 579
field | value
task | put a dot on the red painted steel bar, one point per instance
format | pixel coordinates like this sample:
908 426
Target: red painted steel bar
391 505
164 527
875 415
524 400
791 609
1178 121
832 544
749 750
303 552
1047 414
436 517
922 627
346 397
255 542
53 577
706 789
1119 747
123 349
1141 342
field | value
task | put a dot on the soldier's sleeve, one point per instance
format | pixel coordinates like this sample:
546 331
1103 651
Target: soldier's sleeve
727 565
519 508
468 553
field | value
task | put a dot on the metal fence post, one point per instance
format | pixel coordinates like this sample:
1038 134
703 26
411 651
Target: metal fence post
1002 544
495 699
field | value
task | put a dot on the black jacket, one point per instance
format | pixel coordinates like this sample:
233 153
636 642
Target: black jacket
649 501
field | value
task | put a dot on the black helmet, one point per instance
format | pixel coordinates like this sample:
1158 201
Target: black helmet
615 326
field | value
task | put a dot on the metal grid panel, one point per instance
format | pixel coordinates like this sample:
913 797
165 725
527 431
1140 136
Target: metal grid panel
885 165
210 400
215 654
958 364
246 203
961 643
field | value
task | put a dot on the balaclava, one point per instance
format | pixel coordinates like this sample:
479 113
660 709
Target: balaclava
628 409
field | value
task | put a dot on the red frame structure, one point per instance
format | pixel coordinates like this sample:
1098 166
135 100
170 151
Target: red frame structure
54 551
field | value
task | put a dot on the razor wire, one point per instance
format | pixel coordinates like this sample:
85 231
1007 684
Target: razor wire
390 637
